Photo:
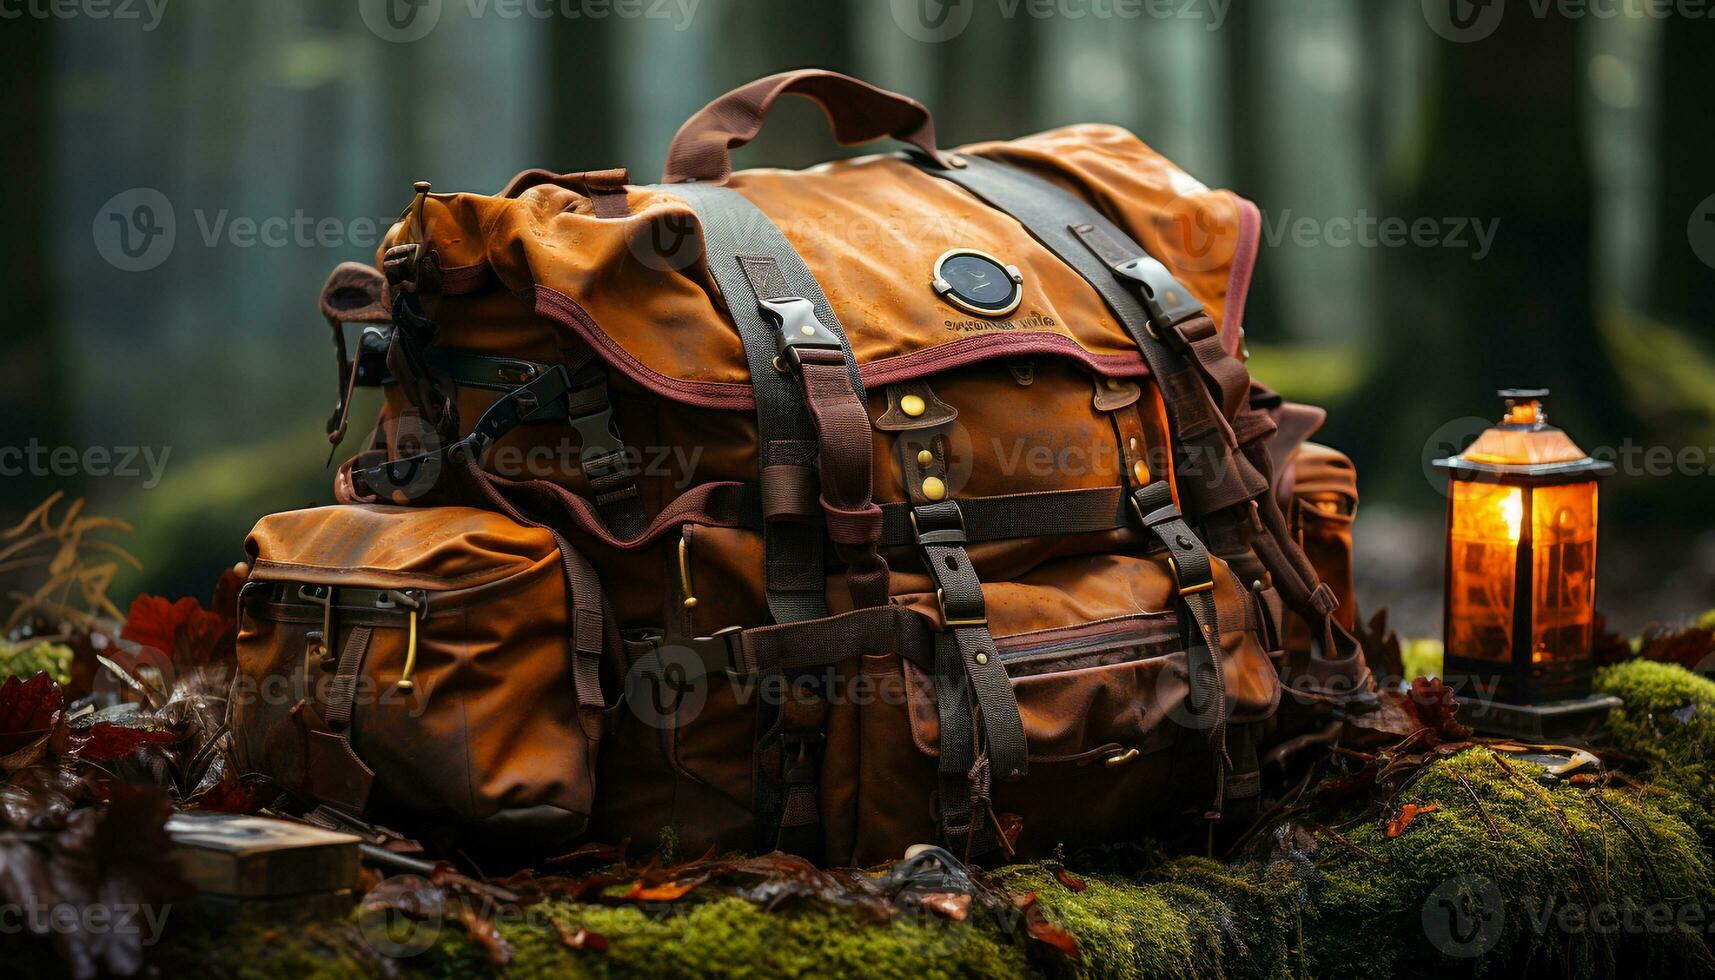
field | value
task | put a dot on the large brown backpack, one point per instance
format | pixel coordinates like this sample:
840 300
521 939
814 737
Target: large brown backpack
912 497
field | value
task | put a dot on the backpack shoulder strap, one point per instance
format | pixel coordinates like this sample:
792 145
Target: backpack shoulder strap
1206 390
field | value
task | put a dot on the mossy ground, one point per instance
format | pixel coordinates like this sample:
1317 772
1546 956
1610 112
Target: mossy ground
1508 877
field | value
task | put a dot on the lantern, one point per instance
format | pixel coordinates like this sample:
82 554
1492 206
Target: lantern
1521 559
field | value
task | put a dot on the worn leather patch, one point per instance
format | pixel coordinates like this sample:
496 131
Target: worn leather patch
935 411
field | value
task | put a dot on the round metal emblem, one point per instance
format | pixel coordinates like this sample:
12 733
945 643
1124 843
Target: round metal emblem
977 282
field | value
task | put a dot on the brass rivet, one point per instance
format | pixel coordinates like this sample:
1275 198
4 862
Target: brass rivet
934 489
807 330
982 659
912 405
925 457
1140 471
1134 444
690 602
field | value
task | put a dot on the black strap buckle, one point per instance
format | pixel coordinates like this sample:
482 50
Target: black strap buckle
719 652
929 528
1168 301
797 327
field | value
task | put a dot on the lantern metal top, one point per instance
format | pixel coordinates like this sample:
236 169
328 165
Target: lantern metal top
1524 449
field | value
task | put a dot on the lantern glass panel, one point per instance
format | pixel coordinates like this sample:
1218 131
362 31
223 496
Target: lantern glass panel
1486 523
1564 553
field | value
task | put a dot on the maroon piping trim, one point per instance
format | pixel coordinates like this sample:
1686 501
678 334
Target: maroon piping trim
1239 281
888 370
463 279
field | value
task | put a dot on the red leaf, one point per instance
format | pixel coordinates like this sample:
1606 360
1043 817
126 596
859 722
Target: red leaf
670 892
947 905
107 742
191 635
1037 927
1435 707
231 795
1065 878
153 622
482 932
27 710
1406 815
595 942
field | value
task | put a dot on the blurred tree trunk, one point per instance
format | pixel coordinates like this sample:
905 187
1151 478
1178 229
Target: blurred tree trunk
33 382
1250 163
1683 286
1504 145
584 103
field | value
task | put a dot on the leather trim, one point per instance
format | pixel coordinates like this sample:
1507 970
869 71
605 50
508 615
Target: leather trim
889 370
1239 279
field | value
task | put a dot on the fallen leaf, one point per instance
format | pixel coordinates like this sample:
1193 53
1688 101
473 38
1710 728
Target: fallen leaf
108 742
666 892
583 938
482 931
947 905
1406 814
28 710
1065 878
1038 928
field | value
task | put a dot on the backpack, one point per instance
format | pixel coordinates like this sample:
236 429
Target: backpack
916 497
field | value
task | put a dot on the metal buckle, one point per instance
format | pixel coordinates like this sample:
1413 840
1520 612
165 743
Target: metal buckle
798 328
917 533
718 652
1190 589
981 619
1168 301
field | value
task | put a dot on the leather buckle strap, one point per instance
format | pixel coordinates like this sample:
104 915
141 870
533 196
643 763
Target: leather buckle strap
483 371
1166 299
1186 556
930 524
721 652
523 404
798 329
974 613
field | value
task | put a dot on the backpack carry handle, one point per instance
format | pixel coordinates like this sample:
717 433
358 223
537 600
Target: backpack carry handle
858 111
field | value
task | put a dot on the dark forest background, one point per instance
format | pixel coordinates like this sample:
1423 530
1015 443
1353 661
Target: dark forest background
1584 133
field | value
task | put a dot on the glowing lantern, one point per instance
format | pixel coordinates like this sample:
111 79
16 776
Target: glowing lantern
1521 557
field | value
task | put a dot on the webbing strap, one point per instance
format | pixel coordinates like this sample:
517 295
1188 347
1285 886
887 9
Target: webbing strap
1194 575
844 439
1177 340
794 575
1210 471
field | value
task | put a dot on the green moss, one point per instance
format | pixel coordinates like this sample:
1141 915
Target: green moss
1668 723
1556 880
1553 855
1422 658
25 661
